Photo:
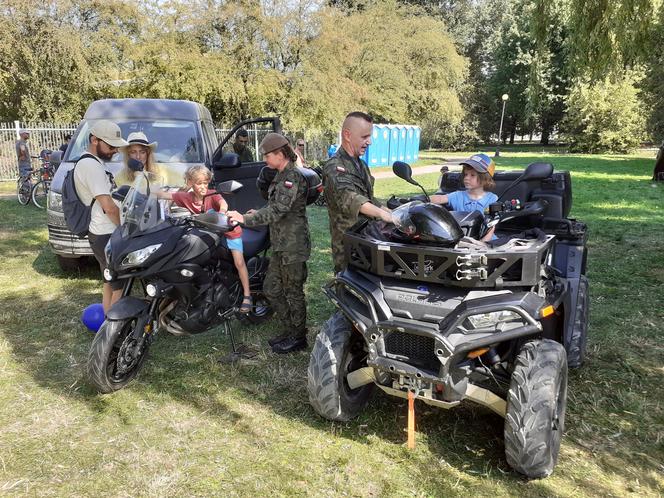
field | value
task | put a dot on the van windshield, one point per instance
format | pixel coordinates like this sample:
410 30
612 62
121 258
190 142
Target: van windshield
177 141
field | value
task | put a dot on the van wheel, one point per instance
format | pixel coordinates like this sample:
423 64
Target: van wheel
576 354
536 403
339 349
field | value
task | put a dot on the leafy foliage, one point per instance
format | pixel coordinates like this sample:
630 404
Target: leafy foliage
605 116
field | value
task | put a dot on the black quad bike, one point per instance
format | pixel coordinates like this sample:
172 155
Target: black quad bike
188 281
424 307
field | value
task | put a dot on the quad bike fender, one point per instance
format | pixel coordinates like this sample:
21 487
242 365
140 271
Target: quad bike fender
127 307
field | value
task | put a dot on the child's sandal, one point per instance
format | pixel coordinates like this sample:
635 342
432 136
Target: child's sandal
245 307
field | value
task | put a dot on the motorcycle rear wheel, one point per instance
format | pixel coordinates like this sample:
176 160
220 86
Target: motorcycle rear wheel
110 363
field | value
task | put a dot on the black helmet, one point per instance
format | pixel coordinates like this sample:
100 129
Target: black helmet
428 223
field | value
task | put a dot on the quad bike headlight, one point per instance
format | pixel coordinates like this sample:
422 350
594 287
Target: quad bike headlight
135 258
490 320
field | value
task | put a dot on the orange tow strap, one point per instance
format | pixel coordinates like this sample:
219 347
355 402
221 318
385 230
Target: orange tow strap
411 420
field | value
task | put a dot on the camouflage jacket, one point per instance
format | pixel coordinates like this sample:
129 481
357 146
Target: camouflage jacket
286 215
348 184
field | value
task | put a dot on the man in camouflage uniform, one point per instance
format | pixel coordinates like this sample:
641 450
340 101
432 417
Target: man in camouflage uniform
349 185
285 213
241 146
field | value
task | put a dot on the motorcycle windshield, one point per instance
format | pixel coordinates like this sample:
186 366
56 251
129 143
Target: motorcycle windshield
141 210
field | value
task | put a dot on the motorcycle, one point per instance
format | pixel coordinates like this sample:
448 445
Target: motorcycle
188 280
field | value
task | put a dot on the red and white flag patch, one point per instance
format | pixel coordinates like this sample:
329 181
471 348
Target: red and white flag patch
341 169
288 184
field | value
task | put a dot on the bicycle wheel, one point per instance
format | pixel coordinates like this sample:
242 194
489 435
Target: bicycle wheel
40 192
23 189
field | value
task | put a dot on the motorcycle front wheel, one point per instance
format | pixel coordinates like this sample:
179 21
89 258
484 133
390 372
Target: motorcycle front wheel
114 360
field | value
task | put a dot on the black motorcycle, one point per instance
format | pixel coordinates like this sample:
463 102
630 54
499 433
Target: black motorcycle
188 280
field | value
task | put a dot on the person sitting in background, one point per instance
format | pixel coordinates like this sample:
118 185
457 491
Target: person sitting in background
241 146
142 150
200 200
477 178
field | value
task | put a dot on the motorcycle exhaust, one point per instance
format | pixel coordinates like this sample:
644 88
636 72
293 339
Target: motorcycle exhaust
361 377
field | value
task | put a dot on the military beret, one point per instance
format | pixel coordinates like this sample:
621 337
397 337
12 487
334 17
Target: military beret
272 142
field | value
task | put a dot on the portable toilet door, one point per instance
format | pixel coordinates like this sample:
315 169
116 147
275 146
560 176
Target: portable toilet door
402 142
394 144
384 137
416 144
410 135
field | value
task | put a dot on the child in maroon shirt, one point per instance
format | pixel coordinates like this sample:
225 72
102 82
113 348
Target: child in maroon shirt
198 177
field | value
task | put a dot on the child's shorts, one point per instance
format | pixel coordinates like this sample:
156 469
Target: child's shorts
235 244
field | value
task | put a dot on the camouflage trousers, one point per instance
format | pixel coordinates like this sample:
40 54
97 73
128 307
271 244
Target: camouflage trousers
284 288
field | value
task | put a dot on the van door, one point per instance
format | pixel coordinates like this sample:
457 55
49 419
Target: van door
246 173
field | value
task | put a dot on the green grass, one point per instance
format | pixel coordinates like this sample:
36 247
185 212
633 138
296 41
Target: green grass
190 426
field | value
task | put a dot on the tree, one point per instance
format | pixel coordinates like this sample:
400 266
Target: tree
605 116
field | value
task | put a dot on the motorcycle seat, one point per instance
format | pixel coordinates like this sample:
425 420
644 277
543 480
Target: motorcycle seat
254 240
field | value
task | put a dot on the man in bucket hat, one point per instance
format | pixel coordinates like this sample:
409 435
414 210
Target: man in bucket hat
93 186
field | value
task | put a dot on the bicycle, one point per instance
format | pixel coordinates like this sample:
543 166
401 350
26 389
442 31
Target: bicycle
24 186
39 192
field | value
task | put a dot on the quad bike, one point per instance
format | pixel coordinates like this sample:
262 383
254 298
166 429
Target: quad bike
424 307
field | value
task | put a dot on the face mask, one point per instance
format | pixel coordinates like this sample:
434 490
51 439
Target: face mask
135 164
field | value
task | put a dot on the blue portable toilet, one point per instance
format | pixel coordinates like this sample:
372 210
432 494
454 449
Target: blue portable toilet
410 135
402 143
384 138
393 149
372 154
416 144
377 154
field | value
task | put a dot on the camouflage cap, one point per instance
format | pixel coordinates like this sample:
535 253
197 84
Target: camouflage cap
272 142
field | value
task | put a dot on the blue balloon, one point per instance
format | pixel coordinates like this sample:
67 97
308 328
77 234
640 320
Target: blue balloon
93 316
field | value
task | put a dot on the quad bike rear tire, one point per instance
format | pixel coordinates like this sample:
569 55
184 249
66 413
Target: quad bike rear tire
536 403
577 346
339 349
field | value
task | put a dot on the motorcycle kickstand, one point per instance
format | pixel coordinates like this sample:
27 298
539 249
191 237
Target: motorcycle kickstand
240 351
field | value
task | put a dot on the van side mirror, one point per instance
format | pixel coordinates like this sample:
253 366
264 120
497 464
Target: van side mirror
226 161
404 171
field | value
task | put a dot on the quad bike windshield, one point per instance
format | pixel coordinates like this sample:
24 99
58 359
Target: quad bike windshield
141 209
426 222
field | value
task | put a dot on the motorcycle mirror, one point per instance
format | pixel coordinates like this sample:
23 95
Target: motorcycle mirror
228 187
403 171
534 171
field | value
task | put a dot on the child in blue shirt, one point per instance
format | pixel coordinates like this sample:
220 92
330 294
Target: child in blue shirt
477 178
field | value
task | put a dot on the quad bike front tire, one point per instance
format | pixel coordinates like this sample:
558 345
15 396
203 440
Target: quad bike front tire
339 349
536 403
110 367
577 345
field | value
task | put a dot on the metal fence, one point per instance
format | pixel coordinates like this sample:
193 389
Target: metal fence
42 136
51 136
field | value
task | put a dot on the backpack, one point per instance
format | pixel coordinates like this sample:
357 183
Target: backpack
77 214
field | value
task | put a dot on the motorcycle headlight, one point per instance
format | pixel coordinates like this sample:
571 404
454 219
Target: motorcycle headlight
490 320
54 201
135 258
